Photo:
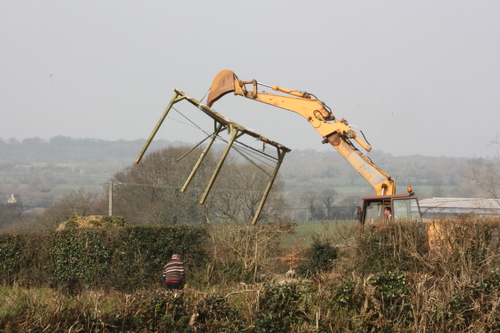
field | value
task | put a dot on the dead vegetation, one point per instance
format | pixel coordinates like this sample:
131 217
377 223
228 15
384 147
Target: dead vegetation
92 221
387 278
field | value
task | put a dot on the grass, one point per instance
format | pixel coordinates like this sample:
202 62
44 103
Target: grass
305 231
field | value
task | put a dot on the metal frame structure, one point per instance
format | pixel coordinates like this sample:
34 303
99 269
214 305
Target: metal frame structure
221 123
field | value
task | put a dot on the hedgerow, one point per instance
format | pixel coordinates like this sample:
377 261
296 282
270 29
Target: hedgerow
120 258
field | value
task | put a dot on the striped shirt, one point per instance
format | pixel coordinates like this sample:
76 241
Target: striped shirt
174 271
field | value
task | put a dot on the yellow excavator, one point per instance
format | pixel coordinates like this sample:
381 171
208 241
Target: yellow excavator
334 131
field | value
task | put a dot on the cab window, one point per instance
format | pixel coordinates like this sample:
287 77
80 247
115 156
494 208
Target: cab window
405 209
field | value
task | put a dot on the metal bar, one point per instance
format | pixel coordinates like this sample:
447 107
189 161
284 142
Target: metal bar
174 100
252 162
281 157
258 151
234 136
191 150
219 128
265 85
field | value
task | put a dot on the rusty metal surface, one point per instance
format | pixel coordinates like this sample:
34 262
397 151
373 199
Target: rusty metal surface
223 83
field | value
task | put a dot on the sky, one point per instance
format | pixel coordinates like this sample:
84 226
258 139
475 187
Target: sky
417 77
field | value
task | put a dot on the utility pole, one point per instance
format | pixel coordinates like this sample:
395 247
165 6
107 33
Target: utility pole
110 210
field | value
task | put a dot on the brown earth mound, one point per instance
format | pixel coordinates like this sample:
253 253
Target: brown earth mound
92 221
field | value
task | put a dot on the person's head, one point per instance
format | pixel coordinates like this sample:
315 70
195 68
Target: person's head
387 211
176 256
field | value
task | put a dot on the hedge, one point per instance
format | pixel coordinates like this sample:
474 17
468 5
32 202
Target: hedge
124 259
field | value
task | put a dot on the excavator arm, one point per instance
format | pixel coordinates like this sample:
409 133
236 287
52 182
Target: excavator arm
336 132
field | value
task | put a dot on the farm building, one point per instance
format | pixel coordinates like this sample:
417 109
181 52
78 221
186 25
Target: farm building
452 207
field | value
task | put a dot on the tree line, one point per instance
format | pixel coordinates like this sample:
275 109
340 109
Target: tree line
149 193
313 184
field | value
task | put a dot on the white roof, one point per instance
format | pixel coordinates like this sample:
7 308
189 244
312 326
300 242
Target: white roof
12 199
460 205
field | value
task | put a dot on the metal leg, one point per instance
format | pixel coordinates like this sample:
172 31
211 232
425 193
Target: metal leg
281 156
234 136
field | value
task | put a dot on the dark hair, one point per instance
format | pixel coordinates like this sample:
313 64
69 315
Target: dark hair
388 208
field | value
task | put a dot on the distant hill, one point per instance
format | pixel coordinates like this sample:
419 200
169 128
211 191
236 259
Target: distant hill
41 172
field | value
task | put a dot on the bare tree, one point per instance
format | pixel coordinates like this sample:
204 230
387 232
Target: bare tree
466 190
149 192
311 200
238 193
438 190
9 212
485 174
80 202
327 197
255 247
349 205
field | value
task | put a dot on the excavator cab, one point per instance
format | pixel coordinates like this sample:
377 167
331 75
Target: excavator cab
403 207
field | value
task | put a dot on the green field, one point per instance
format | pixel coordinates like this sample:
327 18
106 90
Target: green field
306 231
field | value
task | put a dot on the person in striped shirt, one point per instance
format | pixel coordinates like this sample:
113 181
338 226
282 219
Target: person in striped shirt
174 274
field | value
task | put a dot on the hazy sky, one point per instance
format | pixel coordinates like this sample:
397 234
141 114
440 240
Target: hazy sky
418 77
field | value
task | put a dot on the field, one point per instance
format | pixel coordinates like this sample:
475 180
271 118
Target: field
305 232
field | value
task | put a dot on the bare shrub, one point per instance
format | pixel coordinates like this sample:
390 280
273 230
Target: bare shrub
80 202
461 247
242 253
391 245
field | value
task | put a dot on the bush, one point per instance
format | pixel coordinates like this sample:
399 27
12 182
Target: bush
319 257
474 303
382 300
283 308
76 258
23 259
391 246
124 258
453 288
80 256
242 253
141 252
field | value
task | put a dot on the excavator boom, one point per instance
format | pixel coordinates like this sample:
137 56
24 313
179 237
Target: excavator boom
336 132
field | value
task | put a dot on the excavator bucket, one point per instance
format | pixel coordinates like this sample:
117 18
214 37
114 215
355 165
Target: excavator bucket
222 84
